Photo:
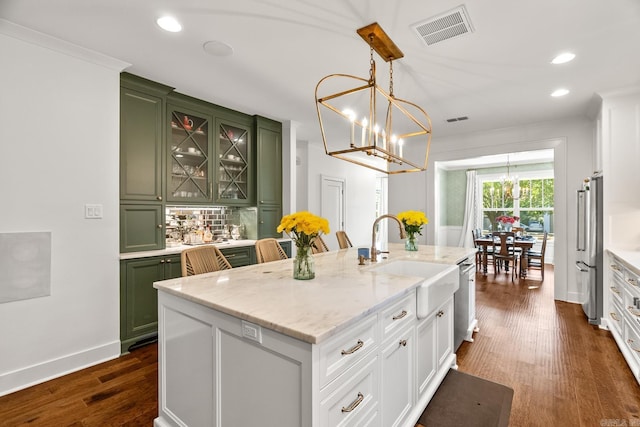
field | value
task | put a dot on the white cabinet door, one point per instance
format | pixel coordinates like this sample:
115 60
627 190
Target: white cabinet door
426 361
444 331
397 377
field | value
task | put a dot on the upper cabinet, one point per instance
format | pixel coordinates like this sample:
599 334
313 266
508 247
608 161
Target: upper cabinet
180 150
189 154
235 165
269 176
141 138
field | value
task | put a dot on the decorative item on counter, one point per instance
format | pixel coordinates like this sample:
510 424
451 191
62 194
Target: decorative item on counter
505 222
303 227
413 222
208 236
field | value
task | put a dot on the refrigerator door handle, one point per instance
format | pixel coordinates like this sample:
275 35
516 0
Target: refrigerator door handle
581 221
581 266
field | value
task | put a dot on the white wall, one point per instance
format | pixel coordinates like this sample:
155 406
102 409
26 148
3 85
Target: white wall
572 141
59 139
619 155
360 189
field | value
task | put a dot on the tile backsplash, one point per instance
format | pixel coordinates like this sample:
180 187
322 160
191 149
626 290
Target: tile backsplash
181 220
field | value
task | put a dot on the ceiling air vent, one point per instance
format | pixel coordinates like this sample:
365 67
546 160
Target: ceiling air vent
447 25
457 119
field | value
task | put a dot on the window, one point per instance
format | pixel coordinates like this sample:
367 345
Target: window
534 206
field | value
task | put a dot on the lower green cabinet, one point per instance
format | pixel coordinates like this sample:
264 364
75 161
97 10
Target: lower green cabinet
139 299
286 246
240 256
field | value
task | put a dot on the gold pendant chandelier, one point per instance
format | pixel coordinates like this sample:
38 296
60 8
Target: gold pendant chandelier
365 125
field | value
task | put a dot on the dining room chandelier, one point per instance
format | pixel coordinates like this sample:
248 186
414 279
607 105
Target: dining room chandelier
363 124
510 184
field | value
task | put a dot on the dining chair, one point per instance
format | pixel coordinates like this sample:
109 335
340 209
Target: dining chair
343 240
202 259
474 236
318 245
504 251
535 259
268 250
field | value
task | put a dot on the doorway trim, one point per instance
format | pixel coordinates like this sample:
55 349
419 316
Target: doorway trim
323 197
559 146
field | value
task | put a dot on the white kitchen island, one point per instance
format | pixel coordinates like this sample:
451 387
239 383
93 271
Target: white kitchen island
252 346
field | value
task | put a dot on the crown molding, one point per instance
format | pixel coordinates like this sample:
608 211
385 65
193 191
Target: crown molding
37 38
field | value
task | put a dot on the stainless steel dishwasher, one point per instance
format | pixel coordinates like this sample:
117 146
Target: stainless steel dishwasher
465 322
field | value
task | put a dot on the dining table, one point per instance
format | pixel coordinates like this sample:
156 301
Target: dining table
524 242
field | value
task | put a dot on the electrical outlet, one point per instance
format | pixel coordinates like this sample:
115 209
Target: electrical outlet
251 331
92 211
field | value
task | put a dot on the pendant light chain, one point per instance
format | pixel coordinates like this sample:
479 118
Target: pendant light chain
391 78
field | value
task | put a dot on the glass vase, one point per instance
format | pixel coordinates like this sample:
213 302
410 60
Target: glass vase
303 264
410 243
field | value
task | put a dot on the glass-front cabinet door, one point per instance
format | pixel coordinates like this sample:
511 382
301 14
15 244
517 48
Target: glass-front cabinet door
234 173
190 157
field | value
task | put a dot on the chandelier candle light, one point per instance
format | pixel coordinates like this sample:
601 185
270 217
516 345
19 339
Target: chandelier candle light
413 222
391 136
303 228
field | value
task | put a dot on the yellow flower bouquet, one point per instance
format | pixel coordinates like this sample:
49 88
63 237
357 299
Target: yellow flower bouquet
413 222
303 227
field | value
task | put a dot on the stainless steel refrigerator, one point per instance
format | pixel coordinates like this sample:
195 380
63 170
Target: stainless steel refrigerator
589 259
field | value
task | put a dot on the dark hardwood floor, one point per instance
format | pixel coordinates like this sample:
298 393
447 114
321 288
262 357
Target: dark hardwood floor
564 371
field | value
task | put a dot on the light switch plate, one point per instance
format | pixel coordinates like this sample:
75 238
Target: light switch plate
93 211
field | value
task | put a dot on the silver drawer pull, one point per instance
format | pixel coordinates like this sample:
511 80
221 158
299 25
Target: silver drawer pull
353 349
614 316
631 309
354 404
631 343
632 282
615 267
440 313
614 289
400 316
403 343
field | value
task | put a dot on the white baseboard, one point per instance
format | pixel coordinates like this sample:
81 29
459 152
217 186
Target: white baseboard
36 374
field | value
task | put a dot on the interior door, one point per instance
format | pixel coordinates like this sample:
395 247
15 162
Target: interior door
332 206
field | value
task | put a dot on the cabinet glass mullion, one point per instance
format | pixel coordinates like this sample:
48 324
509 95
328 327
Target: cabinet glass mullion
189 156
233 142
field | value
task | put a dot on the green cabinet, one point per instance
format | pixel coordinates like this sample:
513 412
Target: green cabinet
240 256
190 153
139 299
235 166
269 176
141 227
141 138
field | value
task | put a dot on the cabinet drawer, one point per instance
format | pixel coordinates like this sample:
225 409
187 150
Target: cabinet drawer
239 257
354 402
397 315
616 316
617 288
347 348
632 340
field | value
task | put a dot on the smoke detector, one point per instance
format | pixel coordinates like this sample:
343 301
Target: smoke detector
448 25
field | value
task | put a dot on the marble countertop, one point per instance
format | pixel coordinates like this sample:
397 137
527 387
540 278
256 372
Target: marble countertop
630 257
180 248
310 310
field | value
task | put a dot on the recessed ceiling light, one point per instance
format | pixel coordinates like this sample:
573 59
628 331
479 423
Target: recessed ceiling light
169 23
560 92
217 48
563 57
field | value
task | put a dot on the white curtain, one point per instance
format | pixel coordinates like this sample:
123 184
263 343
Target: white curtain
470 211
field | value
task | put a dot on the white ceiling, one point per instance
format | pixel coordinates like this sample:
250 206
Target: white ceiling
500 75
